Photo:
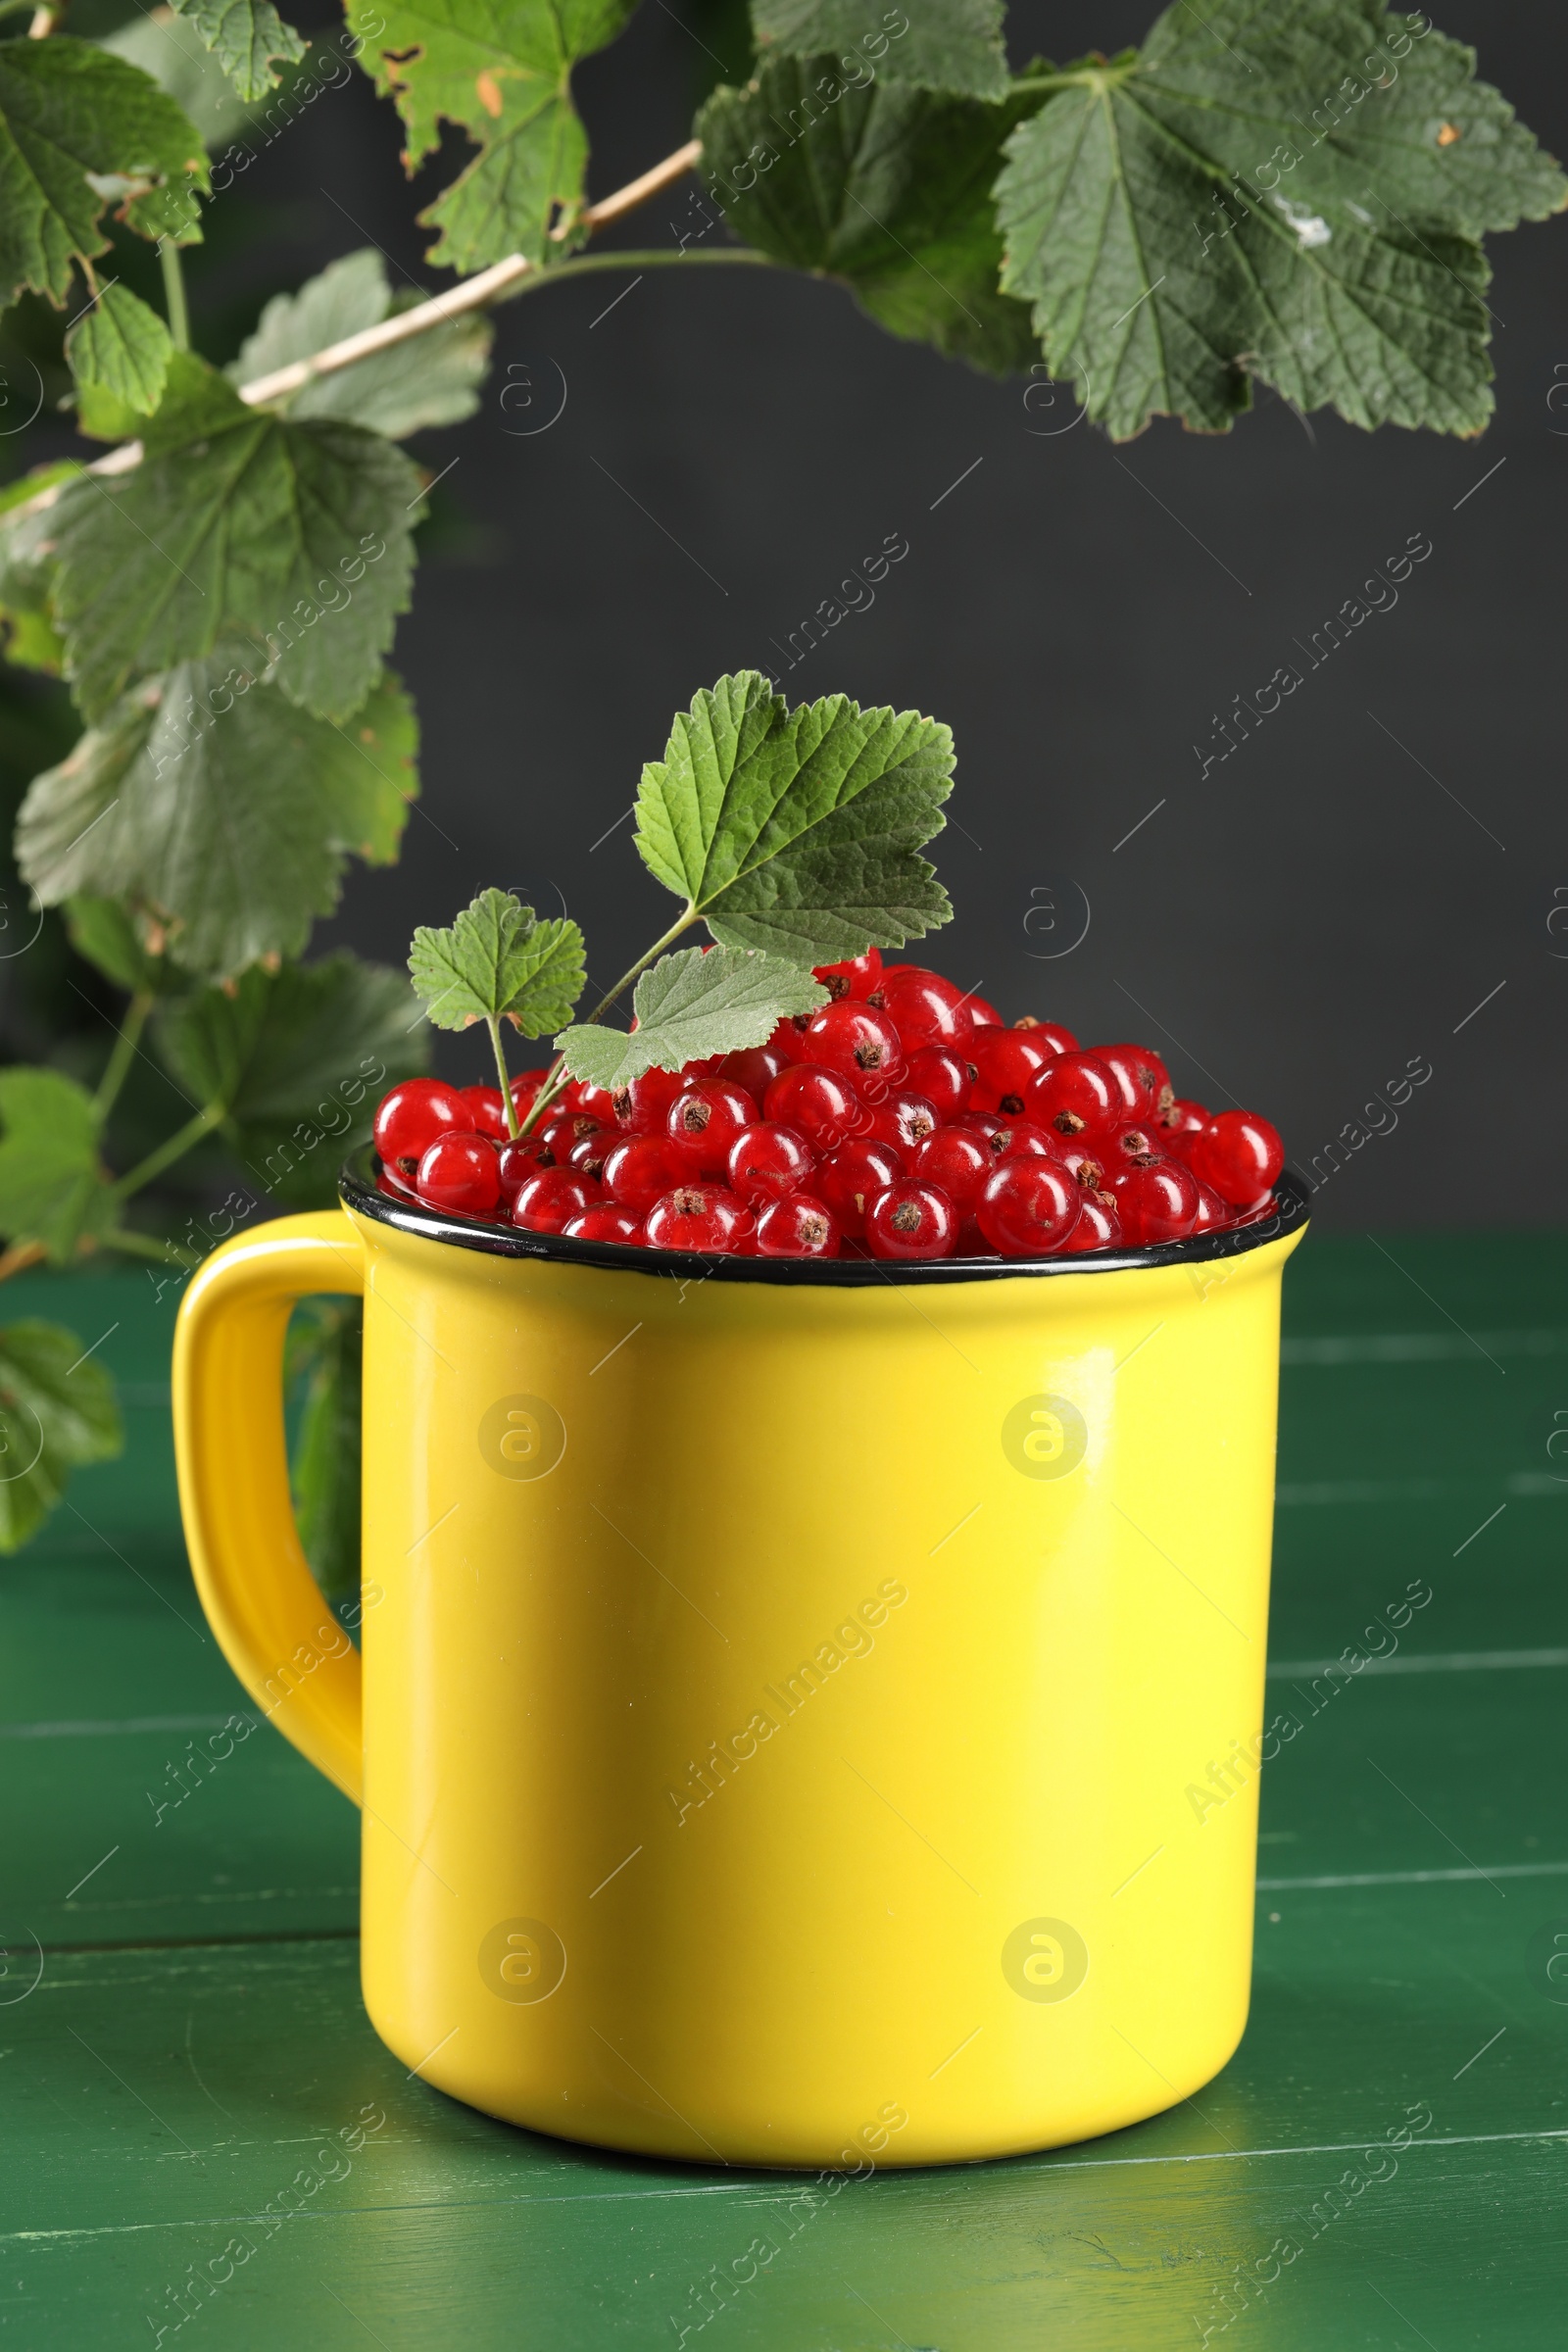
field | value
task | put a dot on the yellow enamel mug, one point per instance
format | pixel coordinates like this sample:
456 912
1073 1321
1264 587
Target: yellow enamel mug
781 1683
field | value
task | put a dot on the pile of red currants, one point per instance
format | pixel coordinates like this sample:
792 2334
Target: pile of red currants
901 1121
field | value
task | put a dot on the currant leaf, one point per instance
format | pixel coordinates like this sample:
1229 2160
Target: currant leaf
57 1414
928 44
245 36
1294 194
296 537
432 380
172 50
81 129
497 960
687 1005
500 69
797 831
122 348
296 1059
887 190
212 806
108 935
52 1186
26 569
325 1366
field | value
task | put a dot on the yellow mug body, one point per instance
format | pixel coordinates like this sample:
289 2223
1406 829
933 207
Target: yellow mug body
806 1719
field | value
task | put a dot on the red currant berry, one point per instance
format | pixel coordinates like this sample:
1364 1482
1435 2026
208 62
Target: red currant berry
1098 1228
461 1173
1050 1034
767 1162
853 1175
486 1113
854 1040
1085 1163
957 1161
704 1119
911 1220
755 1069
519 1161
595 1102
1178 1122
1156 1201
1028 1207
987 1125
785 1041
558 1133
589 1152
902 1120
857 978
1144 1080
926 1010
943 1077
409 1119
605 1222
1240 1155
1004 1061
552 1198
1022 1139
640 1169
1073 1095
1131 1142
642 1106
984 1015
800 1227
1213 1213
817 1104
699 1216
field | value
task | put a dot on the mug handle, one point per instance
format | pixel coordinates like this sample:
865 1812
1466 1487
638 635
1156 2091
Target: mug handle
261 1599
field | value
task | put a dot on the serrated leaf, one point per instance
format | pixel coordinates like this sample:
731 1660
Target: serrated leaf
500 71
299 1058
57 1413
324 1369
886 189
237 524
81 129
245 36
498 961
51 1183
170 49
27 572
953 45
689 1006
797 831
220 812
110 936
120 347
430 381
1279 194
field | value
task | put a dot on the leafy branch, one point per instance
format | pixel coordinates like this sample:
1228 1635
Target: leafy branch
1295 196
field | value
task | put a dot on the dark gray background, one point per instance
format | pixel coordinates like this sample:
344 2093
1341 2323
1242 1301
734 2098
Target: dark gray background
1293 930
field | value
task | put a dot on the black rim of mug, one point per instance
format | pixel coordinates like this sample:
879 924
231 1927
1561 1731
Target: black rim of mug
361 1192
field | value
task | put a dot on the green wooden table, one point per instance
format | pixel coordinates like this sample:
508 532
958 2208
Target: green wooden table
1385 2163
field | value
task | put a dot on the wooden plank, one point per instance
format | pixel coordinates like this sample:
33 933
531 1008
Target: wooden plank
154 2102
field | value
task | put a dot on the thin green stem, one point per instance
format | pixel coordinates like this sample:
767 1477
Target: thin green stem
124 1053
173 1147
175 293
493 1024
557 1079
147 1245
